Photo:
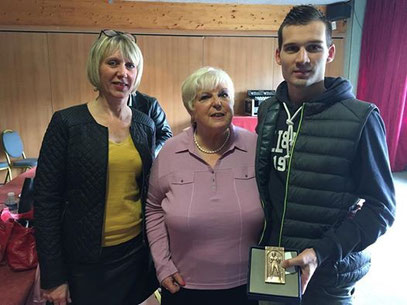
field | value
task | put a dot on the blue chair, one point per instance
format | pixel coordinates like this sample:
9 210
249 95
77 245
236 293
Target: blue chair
13 148
4 167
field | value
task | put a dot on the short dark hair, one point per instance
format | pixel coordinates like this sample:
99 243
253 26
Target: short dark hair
303 15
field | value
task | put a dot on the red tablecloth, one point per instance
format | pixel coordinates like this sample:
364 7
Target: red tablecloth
15 185
247 122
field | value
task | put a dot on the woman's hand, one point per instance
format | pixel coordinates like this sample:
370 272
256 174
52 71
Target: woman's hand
173 282
58 295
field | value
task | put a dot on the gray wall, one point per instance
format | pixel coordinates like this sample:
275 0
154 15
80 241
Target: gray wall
354 42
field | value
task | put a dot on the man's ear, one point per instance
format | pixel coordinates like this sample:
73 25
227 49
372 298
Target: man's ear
331 53
278 58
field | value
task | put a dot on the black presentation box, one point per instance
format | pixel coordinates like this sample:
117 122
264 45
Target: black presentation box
258 289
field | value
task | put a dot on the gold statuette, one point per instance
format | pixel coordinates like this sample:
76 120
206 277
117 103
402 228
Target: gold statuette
274 273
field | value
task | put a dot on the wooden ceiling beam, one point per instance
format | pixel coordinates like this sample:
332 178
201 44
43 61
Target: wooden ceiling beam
93 15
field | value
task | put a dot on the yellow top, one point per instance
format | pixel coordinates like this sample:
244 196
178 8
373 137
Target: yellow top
123 205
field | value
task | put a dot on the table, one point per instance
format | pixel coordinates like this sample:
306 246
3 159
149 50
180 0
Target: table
15 286
15 185
246 122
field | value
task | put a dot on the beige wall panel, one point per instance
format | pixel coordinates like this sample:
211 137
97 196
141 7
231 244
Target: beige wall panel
248 60
168 60
67 57
335 68
25 93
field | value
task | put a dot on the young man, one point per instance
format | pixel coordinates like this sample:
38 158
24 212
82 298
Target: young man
321 165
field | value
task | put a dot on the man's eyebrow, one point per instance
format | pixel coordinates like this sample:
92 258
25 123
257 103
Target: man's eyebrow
290 44
296 44
316 41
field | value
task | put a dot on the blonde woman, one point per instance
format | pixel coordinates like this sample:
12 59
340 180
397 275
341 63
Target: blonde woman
91 186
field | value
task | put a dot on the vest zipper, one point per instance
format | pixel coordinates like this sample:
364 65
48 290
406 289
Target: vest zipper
260 135
288 177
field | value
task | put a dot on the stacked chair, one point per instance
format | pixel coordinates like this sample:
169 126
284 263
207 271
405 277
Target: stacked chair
14 151
4 167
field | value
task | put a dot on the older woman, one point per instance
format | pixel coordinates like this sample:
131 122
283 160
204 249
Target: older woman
203 209
91 184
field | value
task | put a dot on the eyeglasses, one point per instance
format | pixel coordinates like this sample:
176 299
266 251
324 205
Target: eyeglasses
113 33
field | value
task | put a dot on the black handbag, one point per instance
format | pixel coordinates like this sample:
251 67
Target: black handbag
27 196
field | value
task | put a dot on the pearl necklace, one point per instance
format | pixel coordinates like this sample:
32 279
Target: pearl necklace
206 151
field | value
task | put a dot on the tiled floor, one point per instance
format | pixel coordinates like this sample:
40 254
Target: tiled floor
385 282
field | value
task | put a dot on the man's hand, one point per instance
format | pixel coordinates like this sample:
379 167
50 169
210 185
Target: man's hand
307 261
173 282
58 295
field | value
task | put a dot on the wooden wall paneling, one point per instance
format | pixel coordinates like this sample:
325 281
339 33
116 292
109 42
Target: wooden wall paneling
335 68
68 54
25 93
46 72
168 60
248 60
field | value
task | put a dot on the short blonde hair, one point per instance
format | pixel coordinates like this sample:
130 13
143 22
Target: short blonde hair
104 46
206 78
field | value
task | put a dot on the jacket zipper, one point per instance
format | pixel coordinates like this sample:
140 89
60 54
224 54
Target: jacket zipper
262 202
106 188
144 182
288 177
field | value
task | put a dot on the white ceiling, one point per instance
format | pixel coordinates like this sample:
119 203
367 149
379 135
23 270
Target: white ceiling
276 2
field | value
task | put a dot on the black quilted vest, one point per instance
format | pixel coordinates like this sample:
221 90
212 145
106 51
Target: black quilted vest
319 191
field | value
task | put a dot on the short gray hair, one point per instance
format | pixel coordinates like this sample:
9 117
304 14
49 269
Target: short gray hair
205 78
103 47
